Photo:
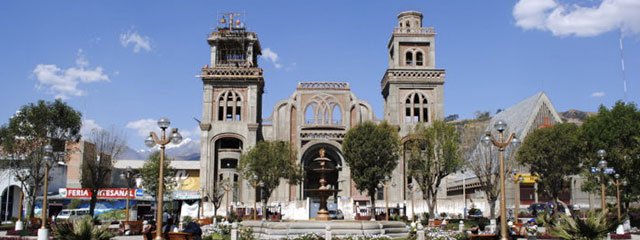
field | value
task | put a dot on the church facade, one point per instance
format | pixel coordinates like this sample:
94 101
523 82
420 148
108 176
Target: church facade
316 116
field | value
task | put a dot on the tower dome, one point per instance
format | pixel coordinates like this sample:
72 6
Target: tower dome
410 19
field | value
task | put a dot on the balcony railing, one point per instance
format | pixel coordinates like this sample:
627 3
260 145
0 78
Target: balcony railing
414 30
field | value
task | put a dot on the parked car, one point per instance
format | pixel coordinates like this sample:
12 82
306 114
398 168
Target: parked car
336 214
72 214
538 208
475 213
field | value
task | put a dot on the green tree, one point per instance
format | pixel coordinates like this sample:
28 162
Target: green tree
268 162
616 130
28 131
150 171
552 154
100 154
372 153
434 154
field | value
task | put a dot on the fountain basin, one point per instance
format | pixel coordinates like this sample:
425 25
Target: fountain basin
339 228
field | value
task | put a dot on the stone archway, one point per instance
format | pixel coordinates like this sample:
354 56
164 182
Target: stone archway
9 202
311 179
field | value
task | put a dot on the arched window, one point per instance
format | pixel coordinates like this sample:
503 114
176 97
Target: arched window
419 59
310 113
323 109
416 108
336 115
406 24
229 106
408 57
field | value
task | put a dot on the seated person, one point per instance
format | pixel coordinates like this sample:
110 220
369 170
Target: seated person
475 229
147 228
194 229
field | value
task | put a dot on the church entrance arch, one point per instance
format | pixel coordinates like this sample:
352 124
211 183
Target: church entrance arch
312 179
227 150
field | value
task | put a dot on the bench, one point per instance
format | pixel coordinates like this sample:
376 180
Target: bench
180 236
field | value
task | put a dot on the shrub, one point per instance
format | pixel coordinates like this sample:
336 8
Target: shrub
82 229
595 226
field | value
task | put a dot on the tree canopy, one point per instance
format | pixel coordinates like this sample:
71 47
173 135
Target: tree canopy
28 131
434 154
270 161
150 172
553 154
372 153
617 131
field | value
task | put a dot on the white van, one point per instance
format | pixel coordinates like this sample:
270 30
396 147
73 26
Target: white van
72 214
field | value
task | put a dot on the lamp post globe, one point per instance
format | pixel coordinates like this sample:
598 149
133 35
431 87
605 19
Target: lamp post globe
515 142
602 164
486 140
602 153
48 149
176 138
500 125
149 142
164 123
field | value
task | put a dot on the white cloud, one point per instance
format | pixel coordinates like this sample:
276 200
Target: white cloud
89 125
566 20
270 55
143 126
193 133
139 42
64 82
598 94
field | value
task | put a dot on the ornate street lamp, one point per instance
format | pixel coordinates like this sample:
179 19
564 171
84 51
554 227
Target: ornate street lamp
49 162
501 144
254 184
128 175
602 166
384 184
517 179
151 141
617 183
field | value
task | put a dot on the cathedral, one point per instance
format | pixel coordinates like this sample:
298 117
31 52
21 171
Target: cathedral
316 116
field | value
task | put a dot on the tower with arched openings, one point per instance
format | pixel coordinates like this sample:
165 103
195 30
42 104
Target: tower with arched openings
412 86
232 103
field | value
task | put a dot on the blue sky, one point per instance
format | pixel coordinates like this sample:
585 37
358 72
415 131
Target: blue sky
126 63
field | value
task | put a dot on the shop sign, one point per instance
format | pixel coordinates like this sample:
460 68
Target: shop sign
527 178
184 195
104 193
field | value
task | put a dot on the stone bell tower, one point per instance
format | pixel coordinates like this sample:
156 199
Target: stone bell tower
412 87
231 110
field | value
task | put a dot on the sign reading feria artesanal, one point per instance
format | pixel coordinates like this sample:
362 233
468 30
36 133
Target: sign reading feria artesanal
108 193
